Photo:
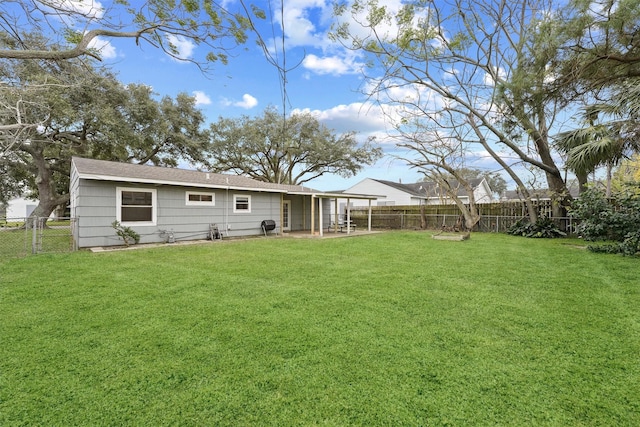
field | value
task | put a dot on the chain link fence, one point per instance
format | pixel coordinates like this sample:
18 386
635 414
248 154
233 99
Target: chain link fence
20 237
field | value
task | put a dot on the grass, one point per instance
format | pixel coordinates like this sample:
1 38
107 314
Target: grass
388 329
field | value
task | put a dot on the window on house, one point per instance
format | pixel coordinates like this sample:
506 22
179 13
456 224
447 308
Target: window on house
198 198
136 206
241 203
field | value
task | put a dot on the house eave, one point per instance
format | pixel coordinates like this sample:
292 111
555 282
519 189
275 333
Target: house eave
346 196
97 177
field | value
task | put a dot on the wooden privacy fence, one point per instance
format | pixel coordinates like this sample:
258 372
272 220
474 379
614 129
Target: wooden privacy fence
494 217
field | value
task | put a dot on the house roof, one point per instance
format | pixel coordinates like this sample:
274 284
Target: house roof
428 189
540 193
104 170
412 189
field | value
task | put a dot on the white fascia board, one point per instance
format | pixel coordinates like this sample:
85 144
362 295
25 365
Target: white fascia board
346 196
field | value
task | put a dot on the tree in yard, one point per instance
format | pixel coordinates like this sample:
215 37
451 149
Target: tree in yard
627 173
601 49
605 141
600 66
438 152
76 26
88 112
469 71
293 151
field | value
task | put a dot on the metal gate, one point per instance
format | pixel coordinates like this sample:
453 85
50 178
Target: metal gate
30 236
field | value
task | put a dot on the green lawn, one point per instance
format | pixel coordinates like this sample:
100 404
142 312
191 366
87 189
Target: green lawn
394 329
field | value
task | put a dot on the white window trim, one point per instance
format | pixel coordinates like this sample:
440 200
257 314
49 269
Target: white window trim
200 203
154 206
235 198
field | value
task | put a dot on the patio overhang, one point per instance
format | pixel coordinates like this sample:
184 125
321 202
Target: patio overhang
336 196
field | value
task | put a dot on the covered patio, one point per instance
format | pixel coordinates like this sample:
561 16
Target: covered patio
318 201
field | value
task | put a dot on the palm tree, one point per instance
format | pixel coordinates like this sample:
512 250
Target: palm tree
604 143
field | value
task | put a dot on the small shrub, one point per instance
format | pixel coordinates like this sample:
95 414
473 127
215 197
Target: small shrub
127 234
543 228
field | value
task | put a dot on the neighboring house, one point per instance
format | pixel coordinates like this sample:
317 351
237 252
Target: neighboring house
537 194
18 209
394 193
154 201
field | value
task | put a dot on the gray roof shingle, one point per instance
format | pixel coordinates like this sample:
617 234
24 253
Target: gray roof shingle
128 172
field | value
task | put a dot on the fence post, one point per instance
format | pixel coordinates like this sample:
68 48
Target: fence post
34 237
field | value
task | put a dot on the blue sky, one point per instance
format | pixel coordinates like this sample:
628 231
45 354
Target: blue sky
327 81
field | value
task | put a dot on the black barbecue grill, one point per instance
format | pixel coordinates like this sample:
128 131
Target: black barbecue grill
267 225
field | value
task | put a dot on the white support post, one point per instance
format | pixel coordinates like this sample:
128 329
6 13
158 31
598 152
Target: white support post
320 216
348 216
313 213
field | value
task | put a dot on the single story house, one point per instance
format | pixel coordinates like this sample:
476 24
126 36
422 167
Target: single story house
157 202
389 193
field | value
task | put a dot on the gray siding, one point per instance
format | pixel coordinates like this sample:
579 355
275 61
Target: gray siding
300 213
94 206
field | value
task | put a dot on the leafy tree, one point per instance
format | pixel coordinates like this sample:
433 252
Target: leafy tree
627 173
294 150
88 112
440 159
461 77
598 65
601 48
607 141
74 25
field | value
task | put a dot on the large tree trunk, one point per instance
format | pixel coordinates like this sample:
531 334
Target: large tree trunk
469 211
609 178
471 217
583 179
560 197
47 196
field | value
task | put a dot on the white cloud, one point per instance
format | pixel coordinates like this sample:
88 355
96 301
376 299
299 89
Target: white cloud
247 102
106 49
298 22
201 98
365 118
327 65
86 8
185 47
